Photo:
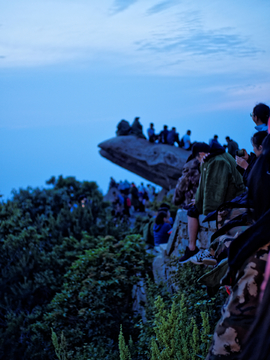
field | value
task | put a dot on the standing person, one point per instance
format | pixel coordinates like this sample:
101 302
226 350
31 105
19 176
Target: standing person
187 141
232 146
163 135
260 116
151 133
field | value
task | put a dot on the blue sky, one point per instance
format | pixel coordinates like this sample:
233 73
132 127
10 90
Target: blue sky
71 70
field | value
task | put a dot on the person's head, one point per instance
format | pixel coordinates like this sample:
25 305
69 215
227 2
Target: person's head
151 125
257 140
260 114
174 128
164 207
215 137
227 138
165 127
161 218
199 150
188 132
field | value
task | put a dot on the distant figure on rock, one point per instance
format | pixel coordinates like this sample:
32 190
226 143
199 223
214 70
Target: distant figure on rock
112 183
123 128
151 133
137 129
214 140
173 137
232 146
162 138
186 142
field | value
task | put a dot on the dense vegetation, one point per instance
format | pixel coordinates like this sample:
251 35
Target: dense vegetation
72 270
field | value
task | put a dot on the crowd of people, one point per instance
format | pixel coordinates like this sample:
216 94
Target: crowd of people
128 197
234 190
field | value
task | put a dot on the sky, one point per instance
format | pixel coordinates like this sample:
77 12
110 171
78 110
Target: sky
71 70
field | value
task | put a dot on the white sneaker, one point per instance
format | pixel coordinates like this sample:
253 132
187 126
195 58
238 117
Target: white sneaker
199 258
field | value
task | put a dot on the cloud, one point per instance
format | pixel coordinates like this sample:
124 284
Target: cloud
161 7
121 5
199 42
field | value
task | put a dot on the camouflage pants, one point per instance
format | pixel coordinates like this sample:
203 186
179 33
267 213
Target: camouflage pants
239 311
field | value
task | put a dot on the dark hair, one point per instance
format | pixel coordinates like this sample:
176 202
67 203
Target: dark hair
227 137
160 217
165 127
215 137
200 147
188 132
262 112
151 124
164 205
173 128
258 137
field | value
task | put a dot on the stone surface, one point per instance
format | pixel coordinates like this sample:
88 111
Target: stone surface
158 163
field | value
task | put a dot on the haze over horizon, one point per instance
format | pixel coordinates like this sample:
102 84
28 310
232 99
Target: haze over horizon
70 71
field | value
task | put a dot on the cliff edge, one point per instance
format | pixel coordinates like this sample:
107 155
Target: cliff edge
159 163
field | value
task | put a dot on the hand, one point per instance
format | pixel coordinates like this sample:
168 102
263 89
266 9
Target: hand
241 162
246 156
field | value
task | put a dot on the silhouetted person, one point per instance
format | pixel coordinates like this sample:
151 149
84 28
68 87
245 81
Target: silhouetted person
186 141
163 135
232 146
173 137
151 133
214 140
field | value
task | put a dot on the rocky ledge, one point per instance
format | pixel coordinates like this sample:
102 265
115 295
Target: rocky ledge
158 163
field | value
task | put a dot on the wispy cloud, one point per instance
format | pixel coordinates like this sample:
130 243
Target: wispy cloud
121 5
161 7
198 42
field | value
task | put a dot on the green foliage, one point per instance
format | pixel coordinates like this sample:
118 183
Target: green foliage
60 348
40 238
176 335
123 348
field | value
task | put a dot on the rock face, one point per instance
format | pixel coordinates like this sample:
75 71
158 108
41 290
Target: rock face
158 163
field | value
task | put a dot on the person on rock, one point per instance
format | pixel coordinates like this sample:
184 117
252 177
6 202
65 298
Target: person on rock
232 146
151 133
162 138
173 137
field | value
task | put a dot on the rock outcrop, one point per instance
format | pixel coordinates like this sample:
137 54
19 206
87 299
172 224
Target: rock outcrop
158 163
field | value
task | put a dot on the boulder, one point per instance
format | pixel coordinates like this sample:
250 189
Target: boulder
159 163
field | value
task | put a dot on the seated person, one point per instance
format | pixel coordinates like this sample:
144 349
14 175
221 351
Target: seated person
173 137
161 227
220 181
246 162
137 129
214 140
186 141
260 116
162 138
151 133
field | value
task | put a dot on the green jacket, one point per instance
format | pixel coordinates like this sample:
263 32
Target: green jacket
220 182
